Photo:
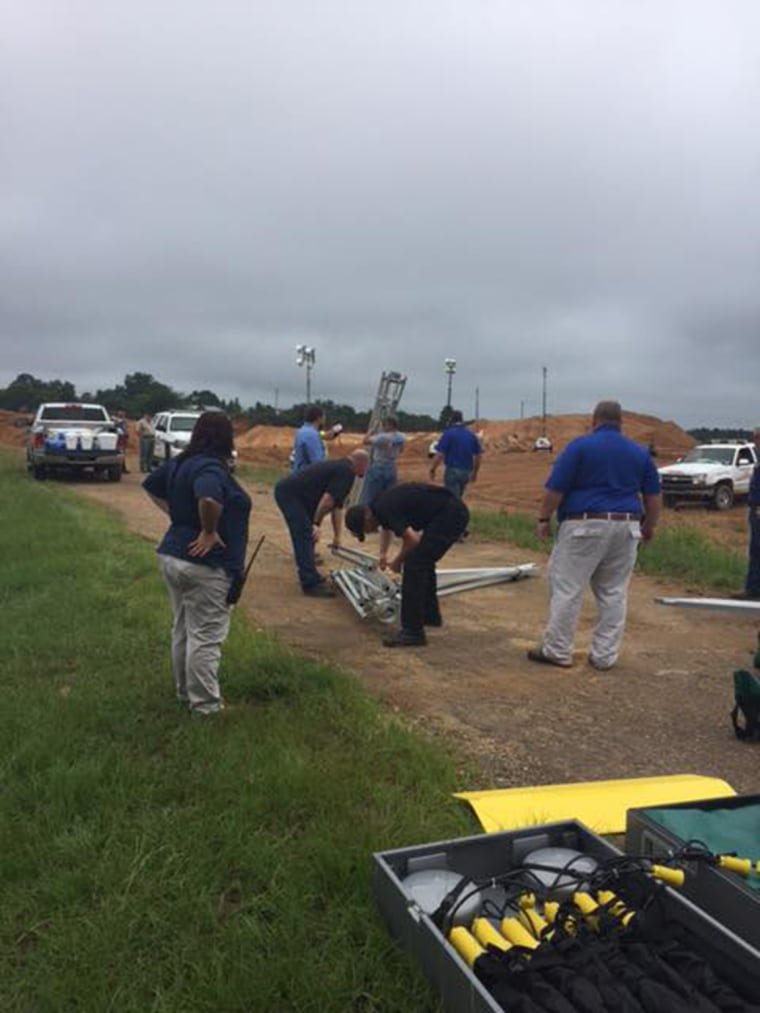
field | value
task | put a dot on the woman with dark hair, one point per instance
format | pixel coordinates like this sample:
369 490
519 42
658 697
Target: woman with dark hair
201 555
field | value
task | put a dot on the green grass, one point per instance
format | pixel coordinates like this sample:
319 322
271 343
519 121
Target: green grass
517 529
690 557
153 862
265 474
675 553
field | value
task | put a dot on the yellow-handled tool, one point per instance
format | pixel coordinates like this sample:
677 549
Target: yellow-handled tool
588 907
673 877
517 934
743 866
529 917
615 906
487 935
466 945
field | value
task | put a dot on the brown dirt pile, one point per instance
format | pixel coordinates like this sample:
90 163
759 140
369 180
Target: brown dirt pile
273 443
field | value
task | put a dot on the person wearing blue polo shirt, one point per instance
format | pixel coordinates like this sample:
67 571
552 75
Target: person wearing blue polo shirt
308 447
201 555
460 450
606 491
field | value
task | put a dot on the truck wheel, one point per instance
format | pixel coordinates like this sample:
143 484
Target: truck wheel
724 496
115 472
39 471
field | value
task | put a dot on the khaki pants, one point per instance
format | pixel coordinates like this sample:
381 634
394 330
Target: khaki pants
602 554
201 622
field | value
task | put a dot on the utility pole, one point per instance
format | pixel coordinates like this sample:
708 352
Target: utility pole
522 407
306 356
477 403
543 402
277 400
450 365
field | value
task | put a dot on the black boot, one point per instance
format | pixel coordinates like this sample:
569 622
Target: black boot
405 638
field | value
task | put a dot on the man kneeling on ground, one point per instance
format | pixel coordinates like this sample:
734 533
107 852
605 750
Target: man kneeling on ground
428 519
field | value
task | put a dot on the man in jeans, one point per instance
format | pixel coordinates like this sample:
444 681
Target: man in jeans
385 449
606 491
460 450
305 498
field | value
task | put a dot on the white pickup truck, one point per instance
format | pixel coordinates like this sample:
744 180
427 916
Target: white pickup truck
718 473
74 438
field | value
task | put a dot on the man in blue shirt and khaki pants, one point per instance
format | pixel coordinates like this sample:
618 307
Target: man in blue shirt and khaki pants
606 491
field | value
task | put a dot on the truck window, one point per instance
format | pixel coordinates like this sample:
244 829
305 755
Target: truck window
73 413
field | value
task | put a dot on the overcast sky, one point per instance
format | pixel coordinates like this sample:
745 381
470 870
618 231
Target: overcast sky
192 188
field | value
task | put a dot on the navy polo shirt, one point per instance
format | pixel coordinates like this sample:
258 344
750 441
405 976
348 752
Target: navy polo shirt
309 485
182 482
459 446
603 472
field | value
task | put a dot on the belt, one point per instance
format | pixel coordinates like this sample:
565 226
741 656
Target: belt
593 515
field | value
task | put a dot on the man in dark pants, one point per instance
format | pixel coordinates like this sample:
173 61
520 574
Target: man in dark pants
305 498
428 519
751 590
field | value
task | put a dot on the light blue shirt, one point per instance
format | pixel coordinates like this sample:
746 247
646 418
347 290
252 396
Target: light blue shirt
308 447
386 447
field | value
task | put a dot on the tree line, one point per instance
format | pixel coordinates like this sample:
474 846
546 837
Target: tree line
142 392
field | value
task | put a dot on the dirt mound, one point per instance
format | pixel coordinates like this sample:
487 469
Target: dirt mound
274 443
13 427
667 438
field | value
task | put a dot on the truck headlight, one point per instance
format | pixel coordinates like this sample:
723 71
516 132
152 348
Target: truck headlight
699 479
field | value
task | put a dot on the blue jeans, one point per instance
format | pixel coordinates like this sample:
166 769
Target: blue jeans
752 583
378 478
300 527
456 479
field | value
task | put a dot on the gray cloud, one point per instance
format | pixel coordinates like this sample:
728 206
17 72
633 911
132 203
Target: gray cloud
193 189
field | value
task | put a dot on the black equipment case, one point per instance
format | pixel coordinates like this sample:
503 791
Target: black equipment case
487 855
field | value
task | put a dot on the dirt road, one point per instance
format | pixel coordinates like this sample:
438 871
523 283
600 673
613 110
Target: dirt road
664 709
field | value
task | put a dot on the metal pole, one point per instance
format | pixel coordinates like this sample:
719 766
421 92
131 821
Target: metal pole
477 403
450 366
308 382
522 408
543 402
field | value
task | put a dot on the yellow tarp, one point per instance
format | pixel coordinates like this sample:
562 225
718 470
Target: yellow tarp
601 805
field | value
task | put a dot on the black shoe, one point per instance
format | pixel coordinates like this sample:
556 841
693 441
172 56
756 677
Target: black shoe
404 638
320 591
435 622
544 659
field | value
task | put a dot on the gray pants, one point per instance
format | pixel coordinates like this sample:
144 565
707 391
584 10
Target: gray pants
600 553
201 622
